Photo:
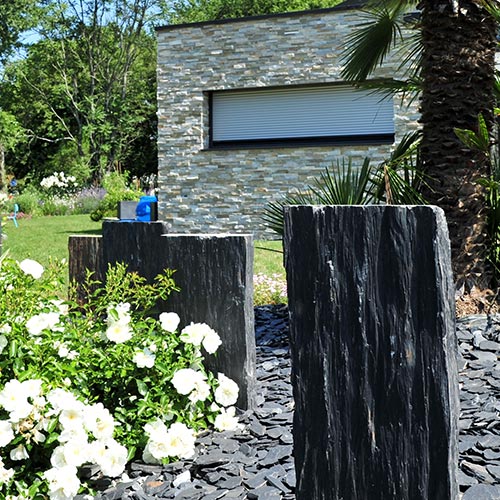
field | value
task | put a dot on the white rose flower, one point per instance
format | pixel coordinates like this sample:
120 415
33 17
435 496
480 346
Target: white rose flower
76 452
14 399
119 332
194 333
227 421
62 307
63 351
5 329
169 321
61 399
119 313
63 483
57 459
157 449
148 458
31 267
99 421
72 434
211 341
185 380
43 321
19 453
6 433
113 458
6 474
180 441
144 358
72 417
227 392
32 388
201 390
154 428
35 325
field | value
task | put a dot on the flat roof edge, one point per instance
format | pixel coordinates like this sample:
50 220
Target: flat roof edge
298 13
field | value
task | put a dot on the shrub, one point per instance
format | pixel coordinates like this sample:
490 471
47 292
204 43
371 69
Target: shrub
59 185
117 189
87 200
55 206
140 383
29 201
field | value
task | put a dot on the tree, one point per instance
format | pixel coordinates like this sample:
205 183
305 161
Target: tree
456 72
189 11
87 88
16 16
11 134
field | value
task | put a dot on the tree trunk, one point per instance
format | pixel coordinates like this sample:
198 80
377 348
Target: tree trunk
458 72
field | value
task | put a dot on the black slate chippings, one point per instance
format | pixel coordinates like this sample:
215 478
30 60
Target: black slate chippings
257 463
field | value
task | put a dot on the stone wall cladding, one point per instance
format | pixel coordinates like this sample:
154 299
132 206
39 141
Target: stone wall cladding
204 190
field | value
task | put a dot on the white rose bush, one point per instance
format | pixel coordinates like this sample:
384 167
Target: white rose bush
102 382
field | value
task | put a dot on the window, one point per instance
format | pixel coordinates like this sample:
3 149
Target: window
328 114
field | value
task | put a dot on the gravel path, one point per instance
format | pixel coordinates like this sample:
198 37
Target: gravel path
257 463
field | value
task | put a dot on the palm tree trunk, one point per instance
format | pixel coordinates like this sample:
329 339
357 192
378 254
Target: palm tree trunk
458 73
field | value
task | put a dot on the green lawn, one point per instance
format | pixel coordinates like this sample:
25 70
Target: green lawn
40 238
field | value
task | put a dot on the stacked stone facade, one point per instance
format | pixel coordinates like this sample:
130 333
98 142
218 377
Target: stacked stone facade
213 190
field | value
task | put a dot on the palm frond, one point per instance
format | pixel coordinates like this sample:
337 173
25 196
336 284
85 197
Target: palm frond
346 185
400 178
389 87
370 43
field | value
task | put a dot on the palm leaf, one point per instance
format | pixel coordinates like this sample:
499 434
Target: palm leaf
346 186
368 46
479 140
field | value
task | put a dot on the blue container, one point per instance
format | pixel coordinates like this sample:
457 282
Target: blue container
146 209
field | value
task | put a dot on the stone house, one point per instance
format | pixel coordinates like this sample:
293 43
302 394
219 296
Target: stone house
251 108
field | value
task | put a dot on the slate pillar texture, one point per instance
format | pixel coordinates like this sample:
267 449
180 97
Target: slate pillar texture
136 244
373 351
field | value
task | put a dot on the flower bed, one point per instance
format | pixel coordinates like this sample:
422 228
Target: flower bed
98 383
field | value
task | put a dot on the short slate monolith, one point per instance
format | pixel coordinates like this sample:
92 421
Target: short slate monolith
373 351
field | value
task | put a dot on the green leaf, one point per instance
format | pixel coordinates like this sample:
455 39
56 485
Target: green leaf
479 140
13 348
142 387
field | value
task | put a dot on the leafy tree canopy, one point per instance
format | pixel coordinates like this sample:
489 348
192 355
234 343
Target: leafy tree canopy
189 11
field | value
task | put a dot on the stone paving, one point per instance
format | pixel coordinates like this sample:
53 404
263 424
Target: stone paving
258 464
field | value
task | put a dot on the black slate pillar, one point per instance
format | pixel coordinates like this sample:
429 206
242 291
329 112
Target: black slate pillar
215 275
373 353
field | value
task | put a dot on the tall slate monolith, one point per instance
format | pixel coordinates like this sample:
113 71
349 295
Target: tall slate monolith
373 348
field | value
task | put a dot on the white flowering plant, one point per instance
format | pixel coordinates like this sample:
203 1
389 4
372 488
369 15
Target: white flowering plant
59 185
113 356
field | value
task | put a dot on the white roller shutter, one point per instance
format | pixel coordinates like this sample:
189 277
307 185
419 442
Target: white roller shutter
304 112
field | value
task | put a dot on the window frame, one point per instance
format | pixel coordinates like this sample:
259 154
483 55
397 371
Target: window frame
283 142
